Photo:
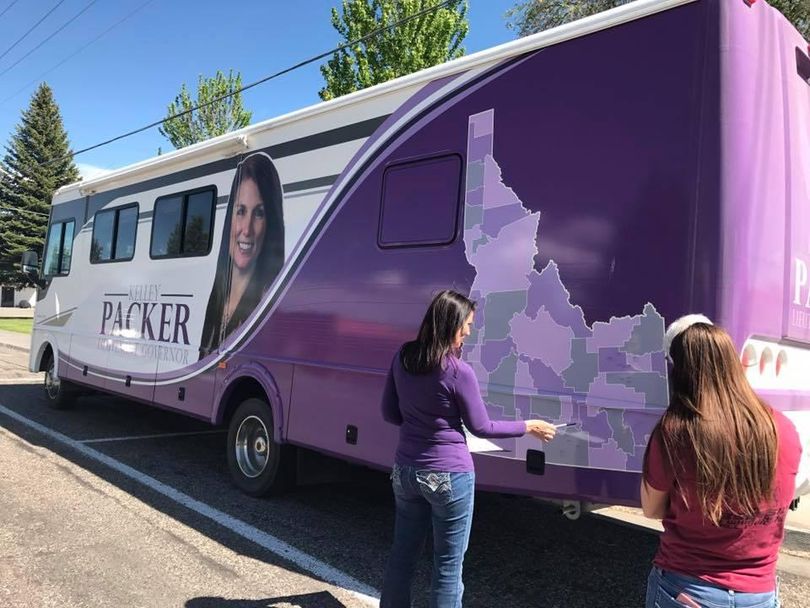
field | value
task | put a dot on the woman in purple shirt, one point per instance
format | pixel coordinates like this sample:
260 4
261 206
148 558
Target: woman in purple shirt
429 393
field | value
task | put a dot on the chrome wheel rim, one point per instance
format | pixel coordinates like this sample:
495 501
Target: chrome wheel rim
252 446
51 382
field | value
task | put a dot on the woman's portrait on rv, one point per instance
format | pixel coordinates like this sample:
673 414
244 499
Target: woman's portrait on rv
251 252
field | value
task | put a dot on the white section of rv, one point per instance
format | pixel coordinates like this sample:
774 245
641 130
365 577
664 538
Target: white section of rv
232 143
179 275
790 375
298 210
777 366
330 161
801 420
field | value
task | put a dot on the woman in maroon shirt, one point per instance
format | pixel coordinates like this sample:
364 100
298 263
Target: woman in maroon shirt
720 471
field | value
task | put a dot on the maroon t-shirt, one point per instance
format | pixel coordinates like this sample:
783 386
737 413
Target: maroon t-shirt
740 553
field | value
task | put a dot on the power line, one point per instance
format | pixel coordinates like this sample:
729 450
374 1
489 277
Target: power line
13 210
300 64
31 29
5 10
64 25
76 52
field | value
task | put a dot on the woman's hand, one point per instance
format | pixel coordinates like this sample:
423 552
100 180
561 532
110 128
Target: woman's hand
541 429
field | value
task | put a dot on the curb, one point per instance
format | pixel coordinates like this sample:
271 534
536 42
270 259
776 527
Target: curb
21 349
796 541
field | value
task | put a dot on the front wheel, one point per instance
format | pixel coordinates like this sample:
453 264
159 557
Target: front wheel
60 393
259 465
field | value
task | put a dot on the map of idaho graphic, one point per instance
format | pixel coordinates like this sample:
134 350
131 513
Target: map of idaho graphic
531 349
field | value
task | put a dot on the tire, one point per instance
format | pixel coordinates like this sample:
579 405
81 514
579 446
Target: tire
60 394
259 466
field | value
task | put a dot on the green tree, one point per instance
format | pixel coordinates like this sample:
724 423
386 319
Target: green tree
797 12
535 16
196 237
37 161
96 249
422 42
214 118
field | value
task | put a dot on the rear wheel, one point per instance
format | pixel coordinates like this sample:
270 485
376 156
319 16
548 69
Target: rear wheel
259 465
60 393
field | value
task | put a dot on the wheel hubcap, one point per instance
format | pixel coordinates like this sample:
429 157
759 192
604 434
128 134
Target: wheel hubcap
51 382
252 446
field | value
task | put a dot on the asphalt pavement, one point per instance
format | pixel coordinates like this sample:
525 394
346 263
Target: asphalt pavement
81 541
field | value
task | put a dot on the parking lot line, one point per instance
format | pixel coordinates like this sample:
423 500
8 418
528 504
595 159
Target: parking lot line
267 541
156 436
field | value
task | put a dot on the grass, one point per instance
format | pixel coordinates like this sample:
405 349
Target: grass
22 326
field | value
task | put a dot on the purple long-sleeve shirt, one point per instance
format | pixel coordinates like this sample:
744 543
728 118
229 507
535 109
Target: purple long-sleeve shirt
430 408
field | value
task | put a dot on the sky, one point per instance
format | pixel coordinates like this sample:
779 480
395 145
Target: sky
126 78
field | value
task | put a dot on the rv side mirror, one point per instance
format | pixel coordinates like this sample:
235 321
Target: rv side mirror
30 267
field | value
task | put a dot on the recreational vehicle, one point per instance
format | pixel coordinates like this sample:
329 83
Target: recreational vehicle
584 186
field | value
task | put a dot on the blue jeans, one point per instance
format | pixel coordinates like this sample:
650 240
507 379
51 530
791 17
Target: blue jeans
664 587
424 497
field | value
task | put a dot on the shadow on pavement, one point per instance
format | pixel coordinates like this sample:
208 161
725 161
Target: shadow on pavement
310 600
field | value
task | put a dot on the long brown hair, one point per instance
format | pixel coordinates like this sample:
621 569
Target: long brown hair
715 415
444 317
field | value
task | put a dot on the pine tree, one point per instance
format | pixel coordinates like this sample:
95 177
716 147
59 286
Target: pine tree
36 163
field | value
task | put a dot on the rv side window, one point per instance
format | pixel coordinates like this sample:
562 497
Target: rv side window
114 233
181 225
197 231
126 230
67 248
420 202
58 249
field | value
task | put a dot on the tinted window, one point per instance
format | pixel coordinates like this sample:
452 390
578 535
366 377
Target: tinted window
102 244
114 234
125 233
198 223
58 249
182 224
51 263
67 248
167 227
420 202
